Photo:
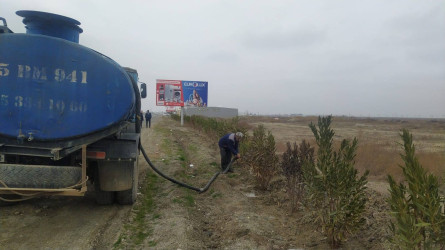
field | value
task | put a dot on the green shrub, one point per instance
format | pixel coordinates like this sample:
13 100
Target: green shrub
291 166
335 194
260 156
215 127
415 204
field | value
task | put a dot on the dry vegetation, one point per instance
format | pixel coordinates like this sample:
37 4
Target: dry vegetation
381 153
237 214
376 155
378 140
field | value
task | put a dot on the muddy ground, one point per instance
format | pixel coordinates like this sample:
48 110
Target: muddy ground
232 214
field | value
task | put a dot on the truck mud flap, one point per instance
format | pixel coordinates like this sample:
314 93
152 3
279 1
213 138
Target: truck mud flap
38 176
116 175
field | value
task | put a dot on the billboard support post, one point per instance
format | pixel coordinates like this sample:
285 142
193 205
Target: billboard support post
182 115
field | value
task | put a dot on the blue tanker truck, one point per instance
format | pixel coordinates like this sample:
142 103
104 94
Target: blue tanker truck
69 115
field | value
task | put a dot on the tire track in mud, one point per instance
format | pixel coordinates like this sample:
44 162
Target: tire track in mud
58 223
107 234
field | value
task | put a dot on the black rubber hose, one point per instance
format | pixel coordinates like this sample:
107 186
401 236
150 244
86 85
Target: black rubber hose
216 175
199 190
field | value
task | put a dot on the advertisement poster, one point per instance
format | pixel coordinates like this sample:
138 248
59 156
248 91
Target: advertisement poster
169 93
195 93
181 93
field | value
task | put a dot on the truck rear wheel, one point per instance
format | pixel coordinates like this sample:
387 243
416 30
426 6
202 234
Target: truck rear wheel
128 197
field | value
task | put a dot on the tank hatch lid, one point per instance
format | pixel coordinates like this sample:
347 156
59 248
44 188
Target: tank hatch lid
50 24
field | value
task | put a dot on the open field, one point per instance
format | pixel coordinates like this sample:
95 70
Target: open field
379 141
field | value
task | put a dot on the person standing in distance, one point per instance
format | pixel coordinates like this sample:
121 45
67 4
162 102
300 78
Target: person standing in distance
148 119
228 145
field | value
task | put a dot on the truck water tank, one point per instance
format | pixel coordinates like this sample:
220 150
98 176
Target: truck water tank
52 88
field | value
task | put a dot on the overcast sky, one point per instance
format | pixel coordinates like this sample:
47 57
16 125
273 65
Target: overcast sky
351 57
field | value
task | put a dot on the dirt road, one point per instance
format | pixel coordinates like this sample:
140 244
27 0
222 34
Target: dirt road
232 214
51 223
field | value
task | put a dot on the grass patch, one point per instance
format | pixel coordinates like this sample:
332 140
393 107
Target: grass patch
181 176
138 230
211 191
118 242
181 158
170 148
217 195
165 161
177 200
166 146
140 237
193 148
214 194
189 200
152 243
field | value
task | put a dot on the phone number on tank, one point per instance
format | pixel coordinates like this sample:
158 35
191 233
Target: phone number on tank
38 103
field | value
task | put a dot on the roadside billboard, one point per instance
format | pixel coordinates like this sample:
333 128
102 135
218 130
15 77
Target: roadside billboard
195 93
181 93
169 93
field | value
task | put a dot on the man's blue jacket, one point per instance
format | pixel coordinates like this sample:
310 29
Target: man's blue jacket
228 142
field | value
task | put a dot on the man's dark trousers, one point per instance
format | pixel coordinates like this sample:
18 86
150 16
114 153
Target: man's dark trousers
226 156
